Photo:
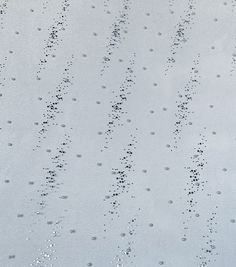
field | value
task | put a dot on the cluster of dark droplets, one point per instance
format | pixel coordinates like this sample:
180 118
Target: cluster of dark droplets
54 38
180 37
185 97
117 105
118 28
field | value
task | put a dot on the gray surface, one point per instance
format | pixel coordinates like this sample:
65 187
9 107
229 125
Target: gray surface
139 94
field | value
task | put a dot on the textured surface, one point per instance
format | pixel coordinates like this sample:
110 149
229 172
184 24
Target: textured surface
118 134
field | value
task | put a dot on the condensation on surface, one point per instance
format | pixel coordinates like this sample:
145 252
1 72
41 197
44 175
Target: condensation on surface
118 134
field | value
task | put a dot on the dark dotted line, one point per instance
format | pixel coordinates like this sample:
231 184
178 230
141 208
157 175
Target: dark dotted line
196 183
180 37
53 105
117 105
185 97
208 250
119 27
51 185
53 180
54 39
123 181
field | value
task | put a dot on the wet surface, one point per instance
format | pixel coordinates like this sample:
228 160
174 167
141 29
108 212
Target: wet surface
118 134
